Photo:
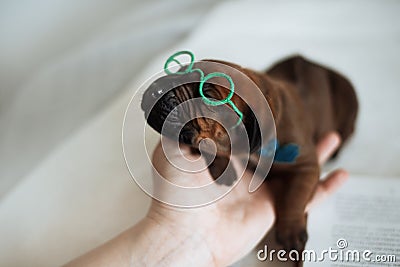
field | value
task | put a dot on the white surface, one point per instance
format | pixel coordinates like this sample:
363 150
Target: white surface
82 194
81 79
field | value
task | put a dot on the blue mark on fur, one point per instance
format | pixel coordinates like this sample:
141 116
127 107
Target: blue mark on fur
283 153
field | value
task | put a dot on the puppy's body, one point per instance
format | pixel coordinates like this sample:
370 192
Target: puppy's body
310 101
307 101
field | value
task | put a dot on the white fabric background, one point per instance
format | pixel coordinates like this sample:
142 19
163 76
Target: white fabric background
70 62
81 194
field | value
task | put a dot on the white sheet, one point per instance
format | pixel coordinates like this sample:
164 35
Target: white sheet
82 79
82 194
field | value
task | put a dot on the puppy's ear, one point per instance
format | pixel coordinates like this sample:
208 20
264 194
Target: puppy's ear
220 169
253 131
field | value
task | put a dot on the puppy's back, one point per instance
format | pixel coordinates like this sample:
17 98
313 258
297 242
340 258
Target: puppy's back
328 97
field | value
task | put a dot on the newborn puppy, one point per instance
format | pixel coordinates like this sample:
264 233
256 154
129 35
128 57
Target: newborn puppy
307 101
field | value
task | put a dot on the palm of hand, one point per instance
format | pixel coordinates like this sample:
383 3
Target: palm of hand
233 225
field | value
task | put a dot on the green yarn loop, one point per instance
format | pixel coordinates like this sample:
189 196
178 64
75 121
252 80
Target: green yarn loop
203 79
173 59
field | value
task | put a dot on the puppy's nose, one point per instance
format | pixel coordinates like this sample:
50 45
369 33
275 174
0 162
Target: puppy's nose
164 85
156 90
151 95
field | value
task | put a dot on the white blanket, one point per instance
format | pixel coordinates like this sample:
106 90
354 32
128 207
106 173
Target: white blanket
82 195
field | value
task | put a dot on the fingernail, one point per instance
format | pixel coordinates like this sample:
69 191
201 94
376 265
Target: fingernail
334 141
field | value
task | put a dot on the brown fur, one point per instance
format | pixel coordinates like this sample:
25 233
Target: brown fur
307 101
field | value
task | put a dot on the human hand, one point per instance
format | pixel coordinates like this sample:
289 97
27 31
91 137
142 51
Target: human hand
229 228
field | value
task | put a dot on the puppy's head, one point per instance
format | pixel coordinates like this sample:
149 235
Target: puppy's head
161 99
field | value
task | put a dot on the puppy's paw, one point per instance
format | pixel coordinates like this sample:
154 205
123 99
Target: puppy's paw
223 177
292 236
222 172
228 178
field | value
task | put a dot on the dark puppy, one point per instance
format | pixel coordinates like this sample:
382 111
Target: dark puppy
307 101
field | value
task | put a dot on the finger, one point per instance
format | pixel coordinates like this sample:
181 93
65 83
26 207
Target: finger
328 186
327 146
157 151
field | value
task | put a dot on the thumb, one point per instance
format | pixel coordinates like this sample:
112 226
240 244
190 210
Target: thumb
328 186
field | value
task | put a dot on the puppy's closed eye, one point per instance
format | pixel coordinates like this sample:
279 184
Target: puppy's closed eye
211 92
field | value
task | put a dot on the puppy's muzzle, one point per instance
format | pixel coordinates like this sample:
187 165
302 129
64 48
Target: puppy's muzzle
160 101
159 104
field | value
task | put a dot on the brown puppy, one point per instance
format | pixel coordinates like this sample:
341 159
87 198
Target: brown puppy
307 101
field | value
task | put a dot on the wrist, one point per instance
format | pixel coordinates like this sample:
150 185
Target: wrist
162 242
